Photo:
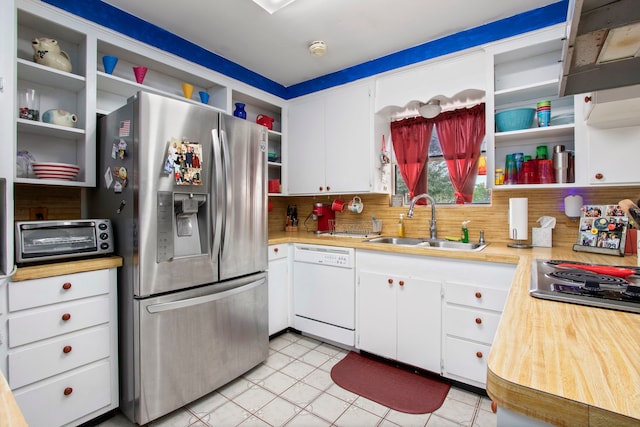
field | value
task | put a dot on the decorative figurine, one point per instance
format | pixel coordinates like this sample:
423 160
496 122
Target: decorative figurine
47 52
60 117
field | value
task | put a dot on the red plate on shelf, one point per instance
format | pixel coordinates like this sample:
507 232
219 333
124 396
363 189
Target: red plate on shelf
55 166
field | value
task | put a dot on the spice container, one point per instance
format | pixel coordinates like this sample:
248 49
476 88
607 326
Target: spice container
499 177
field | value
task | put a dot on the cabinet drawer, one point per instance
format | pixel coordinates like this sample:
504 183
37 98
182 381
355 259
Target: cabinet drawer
51 290
60 355
278 251
471 324
49 322
475 296
466 359
67 398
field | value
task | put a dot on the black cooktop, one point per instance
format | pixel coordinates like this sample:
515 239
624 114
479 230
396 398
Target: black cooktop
574 285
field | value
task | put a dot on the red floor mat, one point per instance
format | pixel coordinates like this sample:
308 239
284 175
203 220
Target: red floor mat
393 387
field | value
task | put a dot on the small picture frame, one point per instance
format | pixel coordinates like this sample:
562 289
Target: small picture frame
602 229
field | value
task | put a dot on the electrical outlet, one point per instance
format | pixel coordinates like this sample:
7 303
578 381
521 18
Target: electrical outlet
38 213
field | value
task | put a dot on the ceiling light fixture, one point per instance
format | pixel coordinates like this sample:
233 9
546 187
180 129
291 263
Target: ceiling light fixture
272 6
317 48
431 109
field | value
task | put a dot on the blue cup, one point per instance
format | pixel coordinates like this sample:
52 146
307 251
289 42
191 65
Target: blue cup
204 97
109 63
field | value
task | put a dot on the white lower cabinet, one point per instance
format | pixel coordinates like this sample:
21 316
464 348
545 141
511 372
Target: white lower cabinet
279 301
470 315
398 309
439 314
62 356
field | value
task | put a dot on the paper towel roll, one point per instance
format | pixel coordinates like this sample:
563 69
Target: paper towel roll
519 218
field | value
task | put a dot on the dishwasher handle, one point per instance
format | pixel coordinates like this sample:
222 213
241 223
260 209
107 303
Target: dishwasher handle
190 302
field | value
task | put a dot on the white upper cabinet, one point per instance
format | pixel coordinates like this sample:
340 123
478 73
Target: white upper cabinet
523 71
88 90
330 146
612 156
55 89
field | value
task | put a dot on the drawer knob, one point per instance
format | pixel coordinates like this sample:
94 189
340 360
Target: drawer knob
66 316
390 281
494 407
478 320
401 283
599 176
275 250
328 188
320 188
66 286
66 349
68 391
587 99
478 295
479 354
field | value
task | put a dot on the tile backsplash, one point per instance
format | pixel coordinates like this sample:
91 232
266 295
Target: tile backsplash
493 219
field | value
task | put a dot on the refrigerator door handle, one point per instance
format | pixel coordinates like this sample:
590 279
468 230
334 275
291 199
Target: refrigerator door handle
219 198
228 193
190 302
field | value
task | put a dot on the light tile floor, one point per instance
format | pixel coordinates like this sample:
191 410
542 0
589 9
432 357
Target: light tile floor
293 387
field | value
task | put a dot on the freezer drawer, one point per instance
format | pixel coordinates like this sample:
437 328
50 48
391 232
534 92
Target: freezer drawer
195 341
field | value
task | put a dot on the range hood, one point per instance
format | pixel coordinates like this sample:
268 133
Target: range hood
602 50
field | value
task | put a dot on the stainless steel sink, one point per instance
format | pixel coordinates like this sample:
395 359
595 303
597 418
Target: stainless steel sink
429 243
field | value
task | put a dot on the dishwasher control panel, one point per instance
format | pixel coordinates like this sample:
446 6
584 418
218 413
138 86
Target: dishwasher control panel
325 255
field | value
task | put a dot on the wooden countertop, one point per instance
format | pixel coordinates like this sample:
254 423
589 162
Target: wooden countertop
566 364
65 267
10 414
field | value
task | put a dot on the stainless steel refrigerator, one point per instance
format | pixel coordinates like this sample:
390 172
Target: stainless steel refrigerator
185 189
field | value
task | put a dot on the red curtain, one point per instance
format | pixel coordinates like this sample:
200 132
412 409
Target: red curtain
411 139
461 133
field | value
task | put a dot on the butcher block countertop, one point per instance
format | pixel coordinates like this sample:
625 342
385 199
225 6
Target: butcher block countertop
10 414
565 364
66 267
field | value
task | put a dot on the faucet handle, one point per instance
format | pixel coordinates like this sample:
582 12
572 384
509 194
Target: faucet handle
481 241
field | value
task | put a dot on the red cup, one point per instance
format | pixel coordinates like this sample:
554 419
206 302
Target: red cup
140 72
545 171
274 186
530 173
338 205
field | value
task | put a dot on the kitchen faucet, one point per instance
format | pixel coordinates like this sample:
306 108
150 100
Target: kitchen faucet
432 226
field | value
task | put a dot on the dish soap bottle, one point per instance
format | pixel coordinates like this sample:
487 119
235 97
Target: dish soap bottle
401 226
464 238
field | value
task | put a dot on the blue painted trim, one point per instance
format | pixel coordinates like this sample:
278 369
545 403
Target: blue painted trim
127 24
508 27
124 23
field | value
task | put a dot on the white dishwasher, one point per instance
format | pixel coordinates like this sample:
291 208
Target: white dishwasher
324 292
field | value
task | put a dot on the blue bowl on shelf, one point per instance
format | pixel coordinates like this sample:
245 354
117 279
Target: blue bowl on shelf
516 119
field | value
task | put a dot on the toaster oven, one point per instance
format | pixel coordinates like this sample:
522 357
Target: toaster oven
38 241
